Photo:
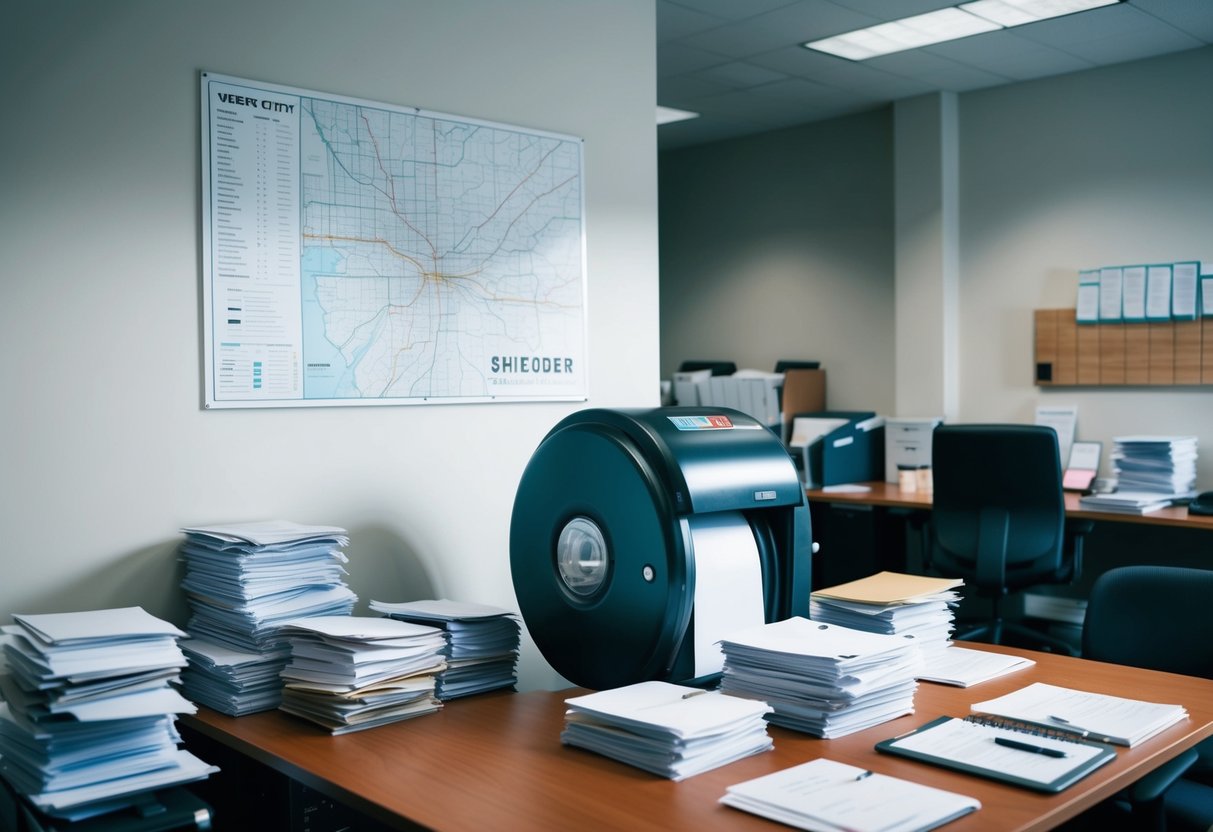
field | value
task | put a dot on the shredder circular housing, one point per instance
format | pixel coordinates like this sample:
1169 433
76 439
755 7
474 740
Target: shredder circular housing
601 551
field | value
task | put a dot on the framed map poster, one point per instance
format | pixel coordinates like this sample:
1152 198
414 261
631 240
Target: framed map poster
359 253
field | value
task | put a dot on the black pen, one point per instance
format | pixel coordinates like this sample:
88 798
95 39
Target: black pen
1024 746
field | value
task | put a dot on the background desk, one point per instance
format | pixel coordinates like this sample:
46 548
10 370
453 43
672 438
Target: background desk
889 495
495 761
883 528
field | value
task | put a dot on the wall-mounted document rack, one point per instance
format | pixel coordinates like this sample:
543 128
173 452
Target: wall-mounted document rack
1152 353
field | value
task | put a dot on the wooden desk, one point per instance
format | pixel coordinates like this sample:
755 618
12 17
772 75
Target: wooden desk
495 761
889 495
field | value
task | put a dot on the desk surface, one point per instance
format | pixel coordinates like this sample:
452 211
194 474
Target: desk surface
495 761
889 495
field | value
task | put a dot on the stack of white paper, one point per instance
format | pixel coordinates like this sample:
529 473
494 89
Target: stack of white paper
235 682
1097 716
823 679
964 667
1128 502
1161 465
348 673
243 581
826 795
482 643
671 730
88 720
895 604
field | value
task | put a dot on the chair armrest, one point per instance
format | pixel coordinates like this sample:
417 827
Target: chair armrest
1152 786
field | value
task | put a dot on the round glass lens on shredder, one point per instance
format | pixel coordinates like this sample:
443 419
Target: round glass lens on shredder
581 556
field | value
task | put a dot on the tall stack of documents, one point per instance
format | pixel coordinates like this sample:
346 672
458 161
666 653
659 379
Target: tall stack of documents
1151 472
894 604
243 581
1160 464
823 679
348 673
671 730
87 723
481 643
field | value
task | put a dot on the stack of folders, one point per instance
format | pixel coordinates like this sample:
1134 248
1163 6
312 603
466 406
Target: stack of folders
826 795
1151 473
918 606
894 604
348 673
1095 716
242 582
671 730
823 679
482 643
87 726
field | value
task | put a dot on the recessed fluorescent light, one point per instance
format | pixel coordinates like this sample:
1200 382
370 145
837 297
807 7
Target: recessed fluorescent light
1019 12
666 115
947 24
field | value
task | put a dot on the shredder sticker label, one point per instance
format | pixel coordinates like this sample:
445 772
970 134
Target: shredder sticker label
702 422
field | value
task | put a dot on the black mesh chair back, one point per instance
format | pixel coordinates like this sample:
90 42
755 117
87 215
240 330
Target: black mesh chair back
998 516
1156 617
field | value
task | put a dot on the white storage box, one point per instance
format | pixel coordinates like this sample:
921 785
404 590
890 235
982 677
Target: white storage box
907 441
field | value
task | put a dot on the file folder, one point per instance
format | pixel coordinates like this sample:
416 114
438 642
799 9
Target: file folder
1087 311
1111 293
1184 290
853 452
1158 293
1134 300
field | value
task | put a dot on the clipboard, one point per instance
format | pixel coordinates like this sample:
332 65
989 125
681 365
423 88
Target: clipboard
968 745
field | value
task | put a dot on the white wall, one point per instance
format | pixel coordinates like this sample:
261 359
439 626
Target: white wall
1112 166
108 452
781 246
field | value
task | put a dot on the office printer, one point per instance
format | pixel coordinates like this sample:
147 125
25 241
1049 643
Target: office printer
640 538
838 446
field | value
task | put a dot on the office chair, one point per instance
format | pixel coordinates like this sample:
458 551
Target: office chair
718 368
1155 617
785 364
998 518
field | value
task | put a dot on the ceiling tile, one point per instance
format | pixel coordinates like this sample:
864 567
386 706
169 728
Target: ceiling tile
788 26
1131 46
741 74
839 72
731 9
940 73
1192 17
884 10
675 21
1005 54
1063 32
675 59
682 90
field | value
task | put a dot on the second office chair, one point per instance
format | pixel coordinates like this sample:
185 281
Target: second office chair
998 519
